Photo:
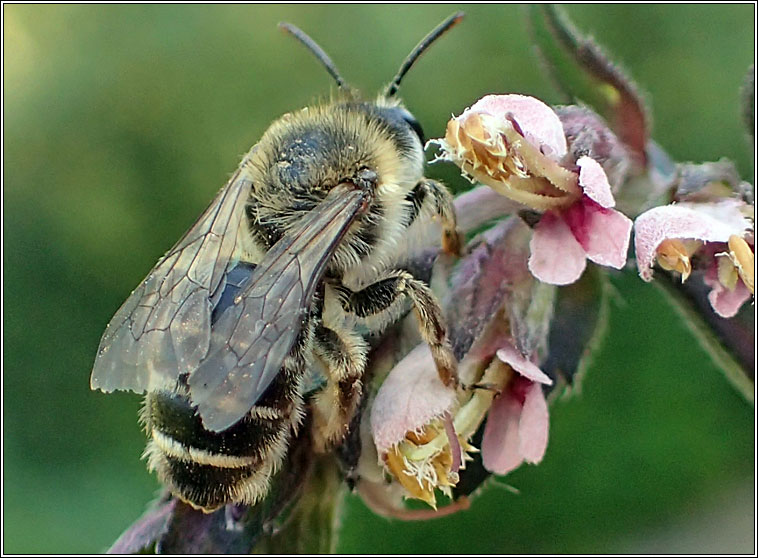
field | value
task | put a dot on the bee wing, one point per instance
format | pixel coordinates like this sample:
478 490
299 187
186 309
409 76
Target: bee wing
163 329
251 338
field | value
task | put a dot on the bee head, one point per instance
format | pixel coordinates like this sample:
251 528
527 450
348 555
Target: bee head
375 145
387 114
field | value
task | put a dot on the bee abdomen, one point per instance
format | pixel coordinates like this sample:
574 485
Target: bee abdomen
209 469
208 487
173 417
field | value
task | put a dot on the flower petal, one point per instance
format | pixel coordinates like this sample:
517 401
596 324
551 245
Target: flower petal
594 182
540 125
147 530
556 256
410 397
533 425
500 443
603 233
512 357
725 302
709 222
479 205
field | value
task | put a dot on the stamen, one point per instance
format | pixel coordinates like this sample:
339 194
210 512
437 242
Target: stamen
674 254
744 260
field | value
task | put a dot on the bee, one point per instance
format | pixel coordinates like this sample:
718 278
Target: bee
293 265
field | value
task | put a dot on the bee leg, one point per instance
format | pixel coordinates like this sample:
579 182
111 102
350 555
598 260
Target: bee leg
380 303
343 353
430 197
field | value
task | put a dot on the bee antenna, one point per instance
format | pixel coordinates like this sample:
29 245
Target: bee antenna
425 43
317 51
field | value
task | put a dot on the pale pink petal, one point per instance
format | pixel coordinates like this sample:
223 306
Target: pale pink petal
540 125
534 425
594 182
726 303
730 212
500 443
410 397
556 256
709 222
603 233
478 206
483 350
512 357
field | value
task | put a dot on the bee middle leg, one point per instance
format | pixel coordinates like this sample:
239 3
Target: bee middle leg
343 353
381 302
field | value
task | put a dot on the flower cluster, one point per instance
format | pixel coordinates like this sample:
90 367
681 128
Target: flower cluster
517 146
422 429
716 237
557 182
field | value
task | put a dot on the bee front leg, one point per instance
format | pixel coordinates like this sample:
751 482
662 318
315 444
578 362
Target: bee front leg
343 353
381 303
431 198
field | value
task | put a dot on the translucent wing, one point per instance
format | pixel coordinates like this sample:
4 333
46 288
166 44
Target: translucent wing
251 338
163 329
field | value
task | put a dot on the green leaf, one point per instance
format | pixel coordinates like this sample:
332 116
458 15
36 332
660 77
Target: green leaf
748 102
578 327
729 342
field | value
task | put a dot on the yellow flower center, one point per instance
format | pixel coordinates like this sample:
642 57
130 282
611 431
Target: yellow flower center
420 475
494 153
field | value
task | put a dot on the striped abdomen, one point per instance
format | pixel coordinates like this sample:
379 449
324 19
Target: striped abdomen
210 469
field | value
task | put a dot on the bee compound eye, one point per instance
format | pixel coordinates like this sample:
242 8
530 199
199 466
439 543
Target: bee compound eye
411 121
415 126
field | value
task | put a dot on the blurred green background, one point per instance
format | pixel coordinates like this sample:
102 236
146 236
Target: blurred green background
121 122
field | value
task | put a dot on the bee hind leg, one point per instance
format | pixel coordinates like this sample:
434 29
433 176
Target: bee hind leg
343 354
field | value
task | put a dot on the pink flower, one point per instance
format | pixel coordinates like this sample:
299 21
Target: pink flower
412 427
513 144
725 302
587 229
719 232
422 429
517 146
517 424
411 397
